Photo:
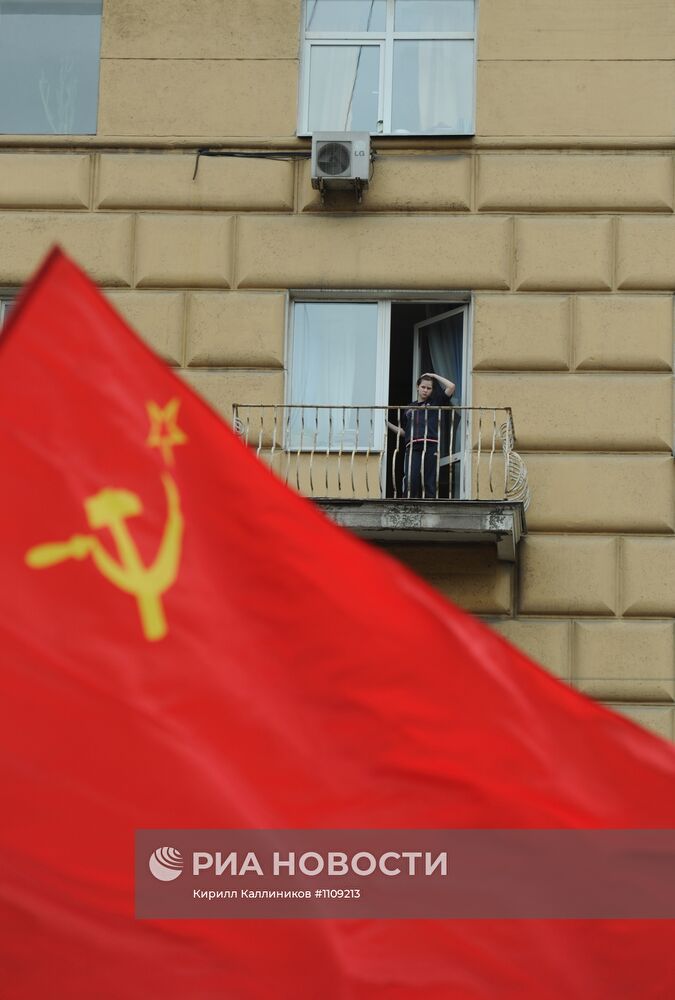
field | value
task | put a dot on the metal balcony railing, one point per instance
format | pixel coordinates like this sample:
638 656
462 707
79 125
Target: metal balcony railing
387 452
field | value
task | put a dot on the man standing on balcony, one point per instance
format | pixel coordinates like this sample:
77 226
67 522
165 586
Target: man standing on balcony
421 430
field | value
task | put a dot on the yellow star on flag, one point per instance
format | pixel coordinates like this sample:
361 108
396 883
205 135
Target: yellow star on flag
165 433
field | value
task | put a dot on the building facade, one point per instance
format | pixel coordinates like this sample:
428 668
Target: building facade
521 193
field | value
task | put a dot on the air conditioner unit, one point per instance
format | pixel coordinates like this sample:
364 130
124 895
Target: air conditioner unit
341 160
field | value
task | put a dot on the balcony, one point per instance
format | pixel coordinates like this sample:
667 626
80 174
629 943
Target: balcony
399 474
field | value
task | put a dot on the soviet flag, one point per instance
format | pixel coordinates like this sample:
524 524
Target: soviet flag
185 643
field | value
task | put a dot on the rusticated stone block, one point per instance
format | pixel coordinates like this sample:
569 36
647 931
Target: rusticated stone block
184 250
157 317
42 180
648 576
657 720
202 29
583 182
630 332
624 660
451 252
561 254
568 575
101 244
575 98
521 332
198 97
545 642
582 412
236 329
585 492
472 578
222 389
165 180
577 29
646 253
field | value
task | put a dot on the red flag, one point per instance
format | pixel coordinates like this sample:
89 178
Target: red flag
187 644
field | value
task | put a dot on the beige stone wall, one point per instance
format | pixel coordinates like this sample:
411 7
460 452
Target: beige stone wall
559 217
582 68
205 68
576 69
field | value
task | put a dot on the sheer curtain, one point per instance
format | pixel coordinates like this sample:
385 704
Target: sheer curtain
344 79
445 349
433 86
437 86
346 15
434 15
433 79
334 364
333 70
326 356
49 65
445 342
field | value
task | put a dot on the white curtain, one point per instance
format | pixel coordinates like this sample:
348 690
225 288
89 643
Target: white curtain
433 85
346 15
437 86
325 353
334 364
434 15
438 73
49 64
333 70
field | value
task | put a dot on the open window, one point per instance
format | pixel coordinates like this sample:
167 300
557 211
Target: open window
353 365
430 337
394 67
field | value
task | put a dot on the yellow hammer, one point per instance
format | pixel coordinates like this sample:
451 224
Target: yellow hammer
110 509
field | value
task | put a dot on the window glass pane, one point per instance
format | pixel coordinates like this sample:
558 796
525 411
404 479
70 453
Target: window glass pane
334 362
433 87
5 307
345 15
344 86
434 15
49 58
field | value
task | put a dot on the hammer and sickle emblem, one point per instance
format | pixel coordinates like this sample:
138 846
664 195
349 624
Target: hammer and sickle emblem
110 509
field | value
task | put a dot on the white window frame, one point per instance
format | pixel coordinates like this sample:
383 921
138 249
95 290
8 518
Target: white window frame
463 445
6 299
384 300
381 371
346 39
385 39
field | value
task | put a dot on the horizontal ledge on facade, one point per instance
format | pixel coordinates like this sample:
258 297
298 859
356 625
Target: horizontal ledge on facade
381 144
454 296
456 522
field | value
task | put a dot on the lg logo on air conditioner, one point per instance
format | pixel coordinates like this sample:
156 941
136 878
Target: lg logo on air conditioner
166 864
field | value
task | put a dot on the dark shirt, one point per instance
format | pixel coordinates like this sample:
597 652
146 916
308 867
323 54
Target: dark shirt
421 425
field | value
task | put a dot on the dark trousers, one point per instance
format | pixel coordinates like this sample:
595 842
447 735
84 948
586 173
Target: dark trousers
414 474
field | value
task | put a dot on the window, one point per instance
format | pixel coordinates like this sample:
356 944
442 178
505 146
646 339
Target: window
49 61
350 360
396 67
339 356
6 303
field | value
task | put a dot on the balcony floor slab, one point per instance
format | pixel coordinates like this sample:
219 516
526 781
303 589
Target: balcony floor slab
458 522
